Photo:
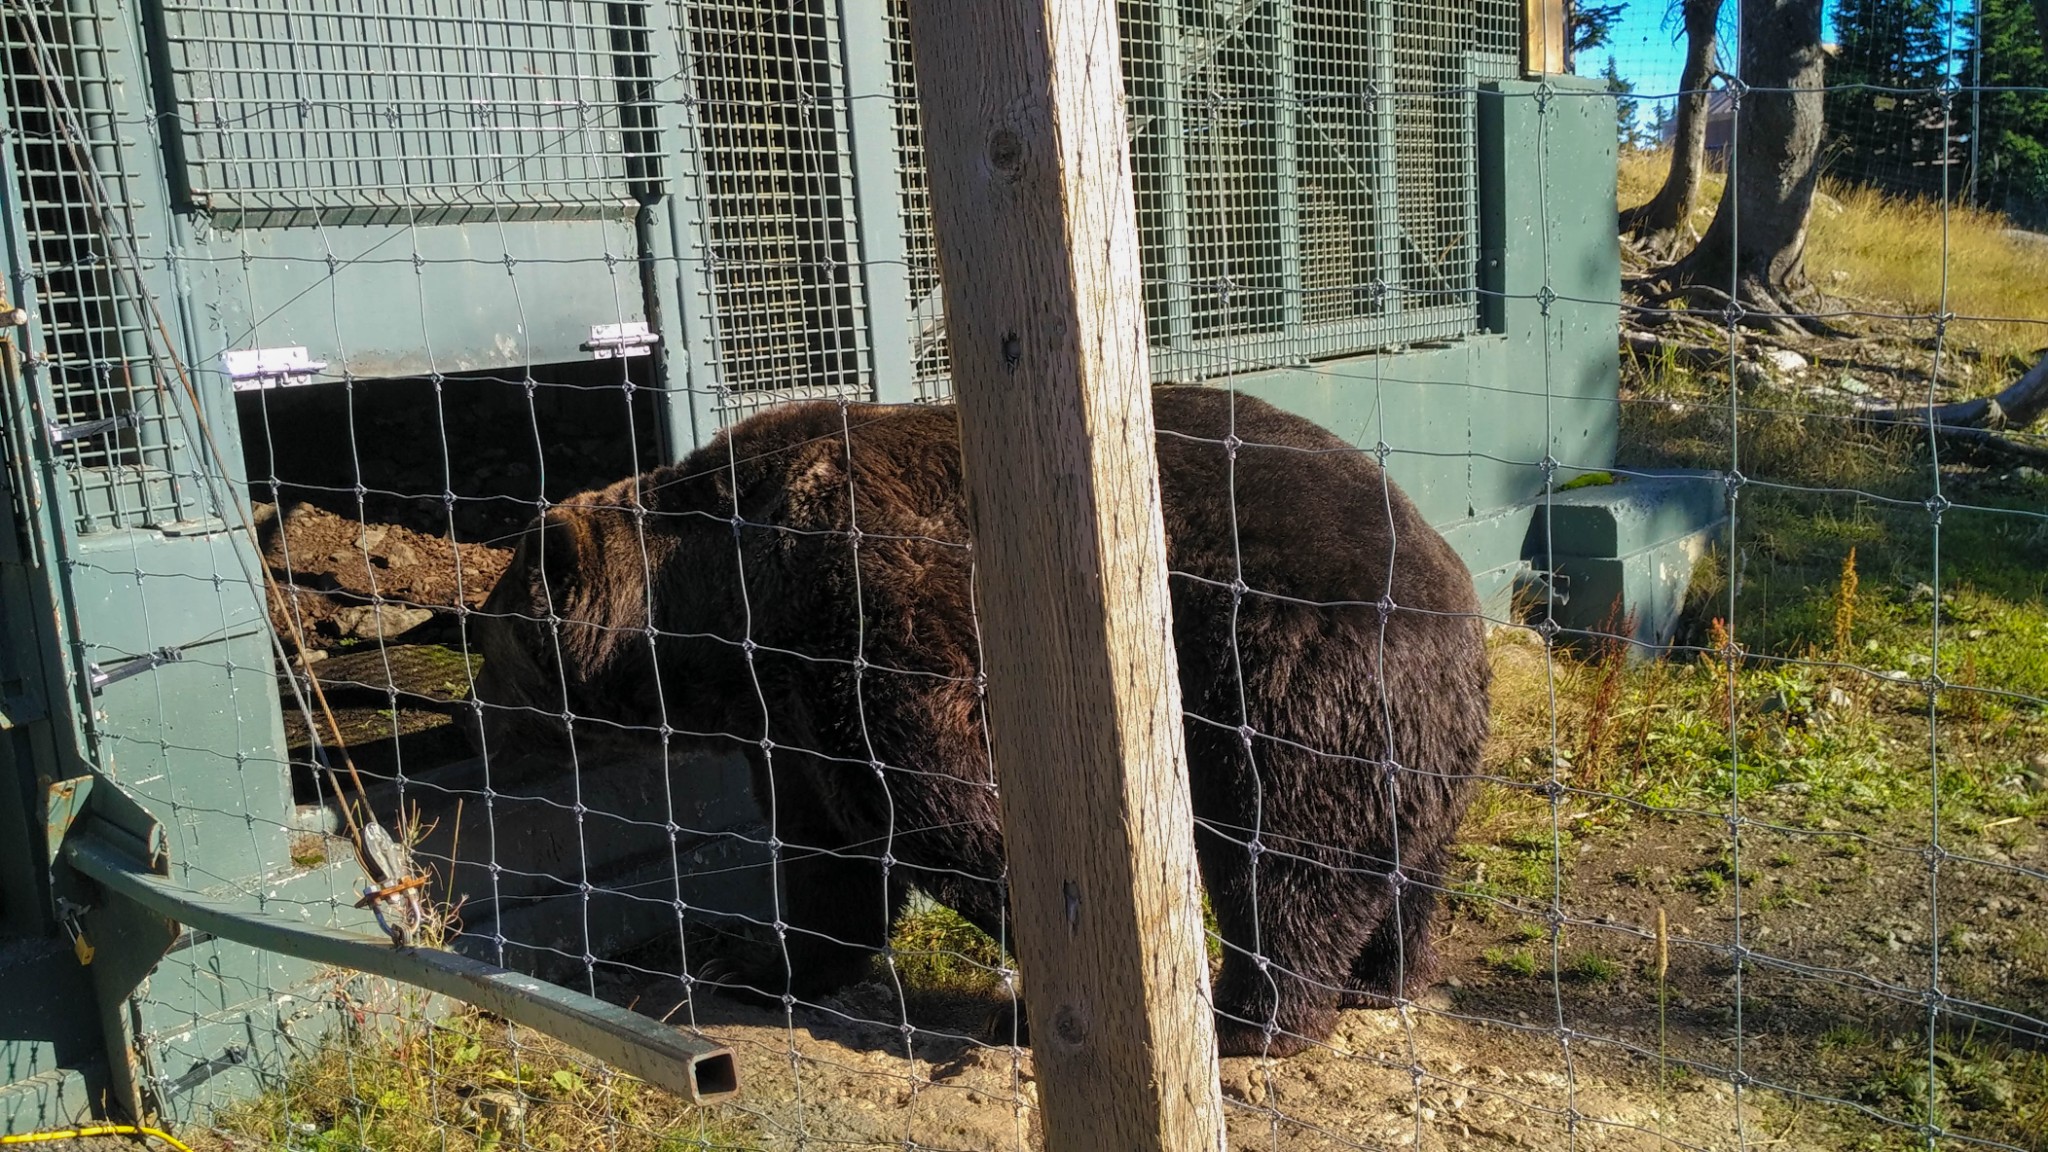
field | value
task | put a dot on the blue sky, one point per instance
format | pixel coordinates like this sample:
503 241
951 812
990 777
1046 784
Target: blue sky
1647 55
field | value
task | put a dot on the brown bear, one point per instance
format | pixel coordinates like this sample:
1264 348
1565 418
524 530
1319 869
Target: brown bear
800 590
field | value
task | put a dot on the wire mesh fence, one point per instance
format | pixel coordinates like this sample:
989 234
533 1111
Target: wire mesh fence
1637 748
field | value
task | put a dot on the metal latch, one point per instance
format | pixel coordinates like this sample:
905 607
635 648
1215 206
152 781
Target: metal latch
629 339
98 677
254 369
65 433
71 916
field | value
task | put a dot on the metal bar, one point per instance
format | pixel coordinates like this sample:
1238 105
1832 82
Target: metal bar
694 1068
98 677
1177 333
65 433
1387 224
870 116
1287 107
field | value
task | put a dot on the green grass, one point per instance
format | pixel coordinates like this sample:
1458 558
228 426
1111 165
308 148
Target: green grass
2029 949
1968 1086
936 950
465 1084
1594 968
1512 961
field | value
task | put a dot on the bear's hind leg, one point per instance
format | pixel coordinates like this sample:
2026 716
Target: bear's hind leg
1286 961
1399 960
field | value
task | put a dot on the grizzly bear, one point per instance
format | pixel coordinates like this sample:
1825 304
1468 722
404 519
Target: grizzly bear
800 590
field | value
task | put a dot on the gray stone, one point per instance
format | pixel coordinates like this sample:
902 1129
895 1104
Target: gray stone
379 621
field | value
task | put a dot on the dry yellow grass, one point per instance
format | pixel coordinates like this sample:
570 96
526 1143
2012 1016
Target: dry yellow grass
466 1084
1886 254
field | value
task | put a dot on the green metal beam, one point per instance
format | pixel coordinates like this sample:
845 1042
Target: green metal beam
694 1068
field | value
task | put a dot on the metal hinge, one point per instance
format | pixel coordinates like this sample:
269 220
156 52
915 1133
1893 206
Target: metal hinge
1545 585
98 677
254 369
628 339
65 433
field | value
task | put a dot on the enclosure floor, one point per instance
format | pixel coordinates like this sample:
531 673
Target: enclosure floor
816 1080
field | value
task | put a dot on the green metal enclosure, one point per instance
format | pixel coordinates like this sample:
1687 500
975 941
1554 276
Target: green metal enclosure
1361 210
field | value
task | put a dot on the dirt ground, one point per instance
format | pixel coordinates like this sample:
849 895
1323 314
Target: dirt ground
1435 1076
1567 1054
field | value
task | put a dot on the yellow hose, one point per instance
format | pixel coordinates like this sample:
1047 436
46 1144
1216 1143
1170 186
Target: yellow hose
100 1130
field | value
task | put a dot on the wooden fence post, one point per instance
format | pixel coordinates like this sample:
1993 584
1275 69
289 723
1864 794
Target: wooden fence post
1030 170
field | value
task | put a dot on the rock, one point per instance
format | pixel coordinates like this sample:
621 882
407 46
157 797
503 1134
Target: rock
1245 1082
501 1110
1840 701
2038 761
1853 386
401 555
2026 472
379 621
1784 361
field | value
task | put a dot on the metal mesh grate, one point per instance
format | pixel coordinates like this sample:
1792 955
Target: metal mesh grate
304 111
93 360
787 294
1434 176
1306 185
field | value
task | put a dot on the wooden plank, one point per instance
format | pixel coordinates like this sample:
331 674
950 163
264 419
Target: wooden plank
1544 33
1038 240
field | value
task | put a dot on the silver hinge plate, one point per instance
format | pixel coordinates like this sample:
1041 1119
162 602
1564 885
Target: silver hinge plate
65 433
628 339
98 677
253 369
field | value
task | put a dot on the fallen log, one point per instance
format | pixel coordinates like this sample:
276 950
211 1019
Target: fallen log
2022 403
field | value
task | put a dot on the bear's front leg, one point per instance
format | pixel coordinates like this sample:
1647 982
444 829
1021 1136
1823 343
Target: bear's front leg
836 907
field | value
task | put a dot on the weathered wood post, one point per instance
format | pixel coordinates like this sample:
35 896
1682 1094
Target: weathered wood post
1030 174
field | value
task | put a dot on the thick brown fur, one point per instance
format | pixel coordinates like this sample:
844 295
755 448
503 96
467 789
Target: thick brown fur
1337 712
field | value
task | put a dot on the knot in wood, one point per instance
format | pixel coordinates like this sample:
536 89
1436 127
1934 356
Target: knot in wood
1006 153
1070 1024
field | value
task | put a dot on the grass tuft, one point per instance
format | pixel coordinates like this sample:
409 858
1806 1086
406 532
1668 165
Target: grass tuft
466 1084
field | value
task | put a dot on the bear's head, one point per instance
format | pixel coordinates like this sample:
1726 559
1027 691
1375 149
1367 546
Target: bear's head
564 635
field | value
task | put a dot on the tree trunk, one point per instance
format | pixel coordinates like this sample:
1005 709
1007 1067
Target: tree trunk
1672 206
1756 246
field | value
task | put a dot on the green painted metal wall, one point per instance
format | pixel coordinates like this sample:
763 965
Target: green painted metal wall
1468 424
